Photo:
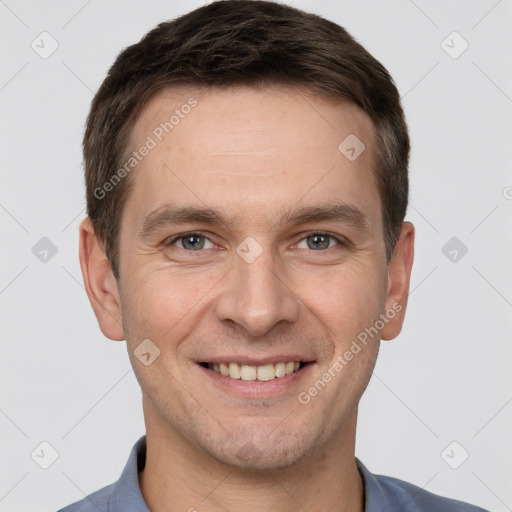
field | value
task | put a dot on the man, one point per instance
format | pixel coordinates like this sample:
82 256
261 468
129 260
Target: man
246 173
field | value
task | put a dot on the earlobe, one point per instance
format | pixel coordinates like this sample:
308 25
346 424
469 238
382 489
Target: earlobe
399 275
100 283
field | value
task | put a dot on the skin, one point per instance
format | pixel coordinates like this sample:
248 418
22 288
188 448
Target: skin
251 153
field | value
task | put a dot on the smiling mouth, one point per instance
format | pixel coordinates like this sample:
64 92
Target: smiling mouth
264 373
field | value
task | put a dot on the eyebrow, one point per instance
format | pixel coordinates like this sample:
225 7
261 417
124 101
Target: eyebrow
169 214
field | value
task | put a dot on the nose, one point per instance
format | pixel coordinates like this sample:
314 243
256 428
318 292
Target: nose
256 295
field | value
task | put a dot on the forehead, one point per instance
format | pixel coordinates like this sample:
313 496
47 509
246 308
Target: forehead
259 110
252 147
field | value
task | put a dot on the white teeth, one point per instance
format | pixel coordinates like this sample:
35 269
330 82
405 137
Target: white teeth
266 372
234 370
263 373
280 370
224 369
248 372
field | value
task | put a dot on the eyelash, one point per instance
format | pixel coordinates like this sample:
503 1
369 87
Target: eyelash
341 240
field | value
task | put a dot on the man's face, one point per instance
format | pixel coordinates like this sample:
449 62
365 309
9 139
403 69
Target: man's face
260 286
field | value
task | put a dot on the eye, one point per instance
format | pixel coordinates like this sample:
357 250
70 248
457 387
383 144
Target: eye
319 241
190 242
316 241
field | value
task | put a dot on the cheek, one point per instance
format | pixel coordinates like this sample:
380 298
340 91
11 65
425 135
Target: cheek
348 299
158 303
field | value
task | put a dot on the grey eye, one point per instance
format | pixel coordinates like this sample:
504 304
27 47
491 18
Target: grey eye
193 242
317 241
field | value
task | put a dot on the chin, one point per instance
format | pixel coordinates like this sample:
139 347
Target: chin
269 453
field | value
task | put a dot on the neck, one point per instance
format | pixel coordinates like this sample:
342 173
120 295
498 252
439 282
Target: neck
180 476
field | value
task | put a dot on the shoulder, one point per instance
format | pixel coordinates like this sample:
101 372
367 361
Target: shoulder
388 494
121 496
98 500
417 499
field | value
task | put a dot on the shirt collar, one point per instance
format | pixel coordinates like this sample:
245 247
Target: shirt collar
127 495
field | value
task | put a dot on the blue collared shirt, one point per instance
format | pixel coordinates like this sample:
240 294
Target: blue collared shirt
382 493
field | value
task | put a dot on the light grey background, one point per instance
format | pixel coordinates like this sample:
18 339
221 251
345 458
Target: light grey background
446 378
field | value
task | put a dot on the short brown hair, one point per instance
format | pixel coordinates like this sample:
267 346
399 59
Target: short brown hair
241 42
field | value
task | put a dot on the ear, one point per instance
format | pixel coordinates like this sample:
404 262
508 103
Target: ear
99 281
399 275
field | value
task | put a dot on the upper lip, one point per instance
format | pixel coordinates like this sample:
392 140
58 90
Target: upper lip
256 361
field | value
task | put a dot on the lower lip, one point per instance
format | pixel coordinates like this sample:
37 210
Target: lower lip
256 388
